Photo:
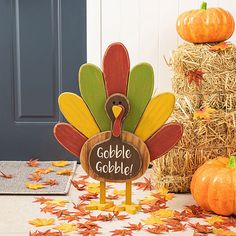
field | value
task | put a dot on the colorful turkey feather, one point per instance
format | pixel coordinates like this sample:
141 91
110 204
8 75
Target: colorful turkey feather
93 92
87 115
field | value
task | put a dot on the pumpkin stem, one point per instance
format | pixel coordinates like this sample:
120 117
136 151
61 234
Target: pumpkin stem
204 6
232 162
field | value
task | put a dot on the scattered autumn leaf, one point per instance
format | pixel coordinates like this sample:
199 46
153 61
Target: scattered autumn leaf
66 227
164 193
121 232
65 172
121 217
42 200
60 163
196 76
164 213
220 46
215 219
60 213
174 225
137 227
35 177
196 211
222 232
33 162
48 209
44 170
50 182
153 220
146 185
112 197
204 229
34 186
158 229
38 222
203 114
88 196
57 202
6 176
119 192
48 232
79 184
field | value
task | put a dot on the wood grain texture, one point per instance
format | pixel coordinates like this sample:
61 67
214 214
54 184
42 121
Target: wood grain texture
77 114
116 67
93 92
164 140
139 93
156 113
70 138
126 136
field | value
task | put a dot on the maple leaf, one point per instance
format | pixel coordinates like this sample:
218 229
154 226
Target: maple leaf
119 192
57 202
205 229
120 217
42 200
70 218
48 209
164 213
88 225
137 227
100 217
158 229
60 213
66 227
164 193
65 172
204 113
44 170
60 163
197 211
88 196
38 222
78 184
6 176
220 46
215 219
51 182
196 76
33 162
48 232
153 220
175 225
112 197
34 185
146 185
88 232
121 232
35 177
222 232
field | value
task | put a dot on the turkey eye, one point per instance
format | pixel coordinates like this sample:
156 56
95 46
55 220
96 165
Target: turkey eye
120 102
114 102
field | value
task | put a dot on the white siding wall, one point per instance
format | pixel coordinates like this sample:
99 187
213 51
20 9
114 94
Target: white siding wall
146 27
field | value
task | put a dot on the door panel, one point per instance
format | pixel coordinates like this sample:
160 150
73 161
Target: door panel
42 45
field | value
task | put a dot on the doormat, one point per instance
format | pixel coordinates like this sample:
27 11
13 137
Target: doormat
21 172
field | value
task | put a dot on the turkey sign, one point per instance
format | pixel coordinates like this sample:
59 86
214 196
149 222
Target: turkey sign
115 159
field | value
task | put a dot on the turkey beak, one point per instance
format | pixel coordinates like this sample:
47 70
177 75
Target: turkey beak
117 109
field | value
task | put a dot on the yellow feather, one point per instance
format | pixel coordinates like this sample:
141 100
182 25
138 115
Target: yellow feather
77 114
155 115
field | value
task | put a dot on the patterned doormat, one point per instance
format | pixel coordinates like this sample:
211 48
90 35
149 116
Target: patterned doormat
21 172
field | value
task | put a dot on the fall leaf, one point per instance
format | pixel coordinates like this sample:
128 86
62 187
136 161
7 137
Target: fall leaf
196 211
88 225
220 46
38 222
44 170
34 186
203 114
88 196
196 76
80 207
204 229
57 202
137 227
88 232
60 163
51 182
33 162
42 200
112 197
35 177
175 225
100 217
222 232
78 184
153 220
121 232
164 213
65 172
66 227
158 229
146 185
214 219
165 193
119 192
48 209
120 217
147 200
48 232
60 213
6 176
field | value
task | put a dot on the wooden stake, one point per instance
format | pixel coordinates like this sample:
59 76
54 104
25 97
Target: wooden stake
102 192
128 193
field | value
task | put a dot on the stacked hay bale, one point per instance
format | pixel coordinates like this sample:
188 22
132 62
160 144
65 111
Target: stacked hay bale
204 81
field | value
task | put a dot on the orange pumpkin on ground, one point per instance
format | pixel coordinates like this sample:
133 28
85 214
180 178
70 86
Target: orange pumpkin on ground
213 186
205 25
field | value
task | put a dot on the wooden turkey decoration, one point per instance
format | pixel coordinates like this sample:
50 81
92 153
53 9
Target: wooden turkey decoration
115 126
